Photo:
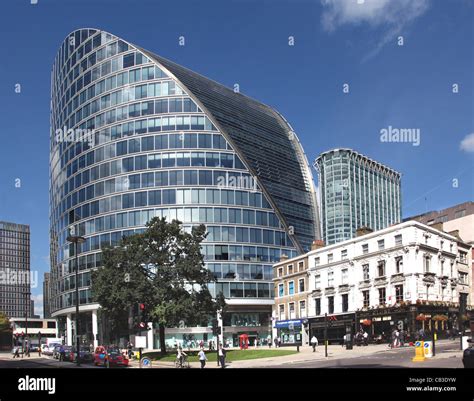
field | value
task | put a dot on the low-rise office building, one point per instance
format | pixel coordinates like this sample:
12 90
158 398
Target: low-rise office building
408 276
34 329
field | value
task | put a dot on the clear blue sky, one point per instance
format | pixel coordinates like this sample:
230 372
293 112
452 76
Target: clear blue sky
246 42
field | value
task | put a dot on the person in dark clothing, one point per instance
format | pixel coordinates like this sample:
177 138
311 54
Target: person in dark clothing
222 353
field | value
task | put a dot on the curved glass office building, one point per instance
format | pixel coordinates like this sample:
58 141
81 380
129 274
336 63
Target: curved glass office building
134 136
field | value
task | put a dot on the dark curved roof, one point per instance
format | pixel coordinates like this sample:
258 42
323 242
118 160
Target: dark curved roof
265 143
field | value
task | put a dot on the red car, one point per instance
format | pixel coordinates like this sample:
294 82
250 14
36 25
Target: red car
109 356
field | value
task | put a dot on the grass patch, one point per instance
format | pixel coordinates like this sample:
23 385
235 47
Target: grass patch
232 355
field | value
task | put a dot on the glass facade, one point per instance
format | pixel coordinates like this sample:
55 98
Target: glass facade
355 192
130 140
15 275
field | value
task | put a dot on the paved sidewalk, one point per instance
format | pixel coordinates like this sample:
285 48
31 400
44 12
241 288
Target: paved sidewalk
306 354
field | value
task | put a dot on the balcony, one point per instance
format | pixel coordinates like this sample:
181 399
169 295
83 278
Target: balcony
344 288
397 278
329 290
364 284
429 277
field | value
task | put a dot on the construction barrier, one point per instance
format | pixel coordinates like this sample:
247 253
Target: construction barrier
419 352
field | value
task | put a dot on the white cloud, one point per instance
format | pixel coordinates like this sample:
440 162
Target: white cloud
38 298
392 16
467 144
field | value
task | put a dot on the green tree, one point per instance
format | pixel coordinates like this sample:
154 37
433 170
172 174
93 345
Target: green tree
4 323
163 268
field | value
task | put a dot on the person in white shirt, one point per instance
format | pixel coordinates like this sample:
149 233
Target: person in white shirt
314 343
202 358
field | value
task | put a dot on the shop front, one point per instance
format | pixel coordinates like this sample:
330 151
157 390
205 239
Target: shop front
337 327
420 319
290 332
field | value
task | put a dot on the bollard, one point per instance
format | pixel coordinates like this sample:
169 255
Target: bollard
297 348
419 352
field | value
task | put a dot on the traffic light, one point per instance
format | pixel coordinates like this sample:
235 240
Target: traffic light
215 327
142 316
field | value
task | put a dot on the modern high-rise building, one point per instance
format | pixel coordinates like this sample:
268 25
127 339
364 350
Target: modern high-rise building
136 136
355 191
46 296
15 283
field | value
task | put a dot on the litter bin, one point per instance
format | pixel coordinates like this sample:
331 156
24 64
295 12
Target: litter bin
465 344
348 341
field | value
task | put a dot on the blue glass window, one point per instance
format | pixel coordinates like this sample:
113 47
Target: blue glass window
140 199
127 201
154 197
128 60
291 288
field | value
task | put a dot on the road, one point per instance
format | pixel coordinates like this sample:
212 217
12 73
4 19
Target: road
6 361
448 355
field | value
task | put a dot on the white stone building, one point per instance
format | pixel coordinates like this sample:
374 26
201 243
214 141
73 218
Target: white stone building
389 277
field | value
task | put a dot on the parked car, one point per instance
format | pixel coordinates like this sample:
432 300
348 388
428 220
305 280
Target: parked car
57 351
34 348
67 349
109 356
468 355
61 352
85 355
48 349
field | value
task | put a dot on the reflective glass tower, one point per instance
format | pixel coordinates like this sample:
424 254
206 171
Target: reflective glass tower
136 136
355 191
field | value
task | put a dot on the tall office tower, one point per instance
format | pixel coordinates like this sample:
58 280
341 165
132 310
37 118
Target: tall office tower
15 284
46 296
355 191
147 137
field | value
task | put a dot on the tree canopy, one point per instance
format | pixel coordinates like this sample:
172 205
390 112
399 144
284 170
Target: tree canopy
162 268
4 323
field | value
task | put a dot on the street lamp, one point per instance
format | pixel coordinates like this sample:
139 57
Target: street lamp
27 296
76 239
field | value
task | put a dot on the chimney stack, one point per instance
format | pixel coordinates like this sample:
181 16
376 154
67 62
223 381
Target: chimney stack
437 226
317 244
363 230
283 257
455 233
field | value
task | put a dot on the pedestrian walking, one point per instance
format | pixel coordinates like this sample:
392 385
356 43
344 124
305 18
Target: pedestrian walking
222 353
130 350
314 343
269 341
202 358
27 348
17 352
61 353
366 338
